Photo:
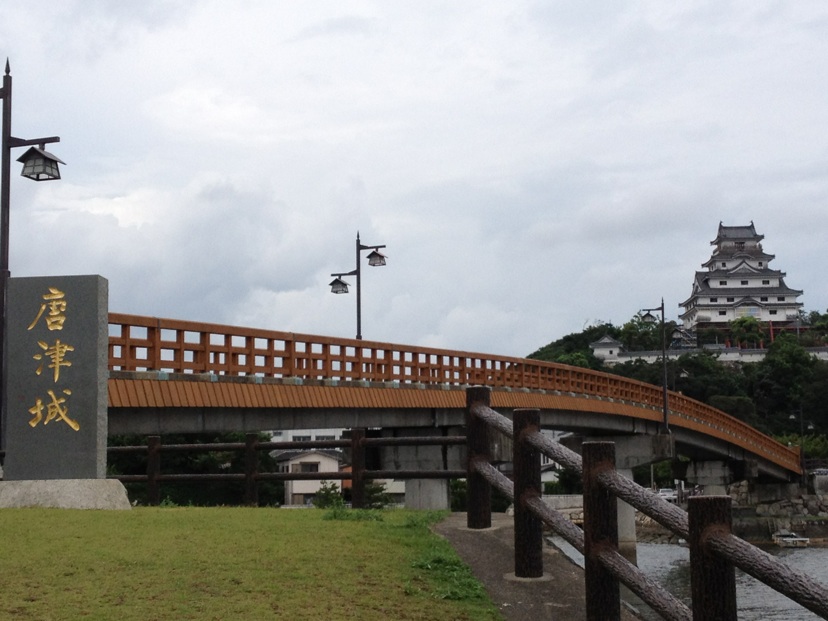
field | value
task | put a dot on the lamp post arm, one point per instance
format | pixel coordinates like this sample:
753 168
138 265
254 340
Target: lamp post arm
31 142
363 247
341 274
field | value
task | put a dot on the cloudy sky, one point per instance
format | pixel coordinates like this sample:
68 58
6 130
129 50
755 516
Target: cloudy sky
532 167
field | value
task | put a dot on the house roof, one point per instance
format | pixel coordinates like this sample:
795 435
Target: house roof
606 341
292 455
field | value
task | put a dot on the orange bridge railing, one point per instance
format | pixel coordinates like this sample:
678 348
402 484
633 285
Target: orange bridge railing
138 343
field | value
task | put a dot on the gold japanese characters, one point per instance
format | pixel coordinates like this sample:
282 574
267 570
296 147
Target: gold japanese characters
52 355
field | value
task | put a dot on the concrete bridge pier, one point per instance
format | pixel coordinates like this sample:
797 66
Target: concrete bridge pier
714 476
630 452
430 494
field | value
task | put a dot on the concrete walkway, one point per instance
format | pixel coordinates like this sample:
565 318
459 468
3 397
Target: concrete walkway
558 595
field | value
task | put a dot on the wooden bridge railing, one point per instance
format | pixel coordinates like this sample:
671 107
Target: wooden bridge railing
358 444
714 550
147 343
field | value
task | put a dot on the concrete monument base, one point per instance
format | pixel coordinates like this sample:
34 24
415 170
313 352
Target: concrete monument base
64 494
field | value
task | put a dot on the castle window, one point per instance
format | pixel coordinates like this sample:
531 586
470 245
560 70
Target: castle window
724 264
781 298
713 300
723 282
731 299
773 312
744 282
763 299
723 312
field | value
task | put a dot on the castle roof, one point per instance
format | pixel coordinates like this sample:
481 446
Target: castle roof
734 233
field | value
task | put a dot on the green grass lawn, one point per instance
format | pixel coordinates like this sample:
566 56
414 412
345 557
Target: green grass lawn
230 563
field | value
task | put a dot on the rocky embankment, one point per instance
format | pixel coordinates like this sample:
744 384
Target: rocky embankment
806 515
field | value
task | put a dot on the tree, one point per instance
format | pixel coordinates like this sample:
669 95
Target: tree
816 333
641 370
781 380
328 496
738 407
640 335
574 348
746 331
701 376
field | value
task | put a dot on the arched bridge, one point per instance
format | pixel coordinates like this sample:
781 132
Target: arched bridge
169 376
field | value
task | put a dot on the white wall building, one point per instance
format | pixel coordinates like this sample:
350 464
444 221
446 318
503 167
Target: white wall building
738 282
303 492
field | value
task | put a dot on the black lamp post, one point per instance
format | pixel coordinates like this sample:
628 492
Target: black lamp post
648 317
39 165
793 417
375 259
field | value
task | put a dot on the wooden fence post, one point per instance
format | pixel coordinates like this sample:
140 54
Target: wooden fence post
153 470
603 595
251 470
479 492
357 468
712 579
527 478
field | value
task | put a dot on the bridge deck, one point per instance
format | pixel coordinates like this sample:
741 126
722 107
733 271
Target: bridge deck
165 365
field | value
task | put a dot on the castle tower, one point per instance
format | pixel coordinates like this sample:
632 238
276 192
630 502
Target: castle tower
738 282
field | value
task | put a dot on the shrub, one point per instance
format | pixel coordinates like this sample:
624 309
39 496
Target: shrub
328 496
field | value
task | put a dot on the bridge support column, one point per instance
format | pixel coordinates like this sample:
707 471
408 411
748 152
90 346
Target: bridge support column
431 494
630 451
712 476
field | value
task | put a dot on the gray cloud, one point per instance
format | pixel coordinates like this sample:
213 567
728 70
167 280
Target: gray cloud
531 167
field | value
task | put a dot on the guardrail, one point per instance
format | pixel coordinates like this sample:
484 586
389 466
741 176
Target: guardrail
359 474
714 550
147 343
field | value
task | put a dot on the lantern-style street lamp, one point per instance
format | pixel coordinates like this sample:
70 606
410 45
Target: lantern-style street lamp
337 285
648 317
38 164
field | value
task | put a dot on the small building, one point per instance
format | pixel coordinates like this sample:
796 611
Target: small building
739 282
303 492
607 349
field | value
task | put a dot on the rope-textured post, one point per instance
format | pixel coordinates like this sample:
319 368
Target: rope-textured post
712 578
357 468
603 595
153 470
251 469
479 510
527 478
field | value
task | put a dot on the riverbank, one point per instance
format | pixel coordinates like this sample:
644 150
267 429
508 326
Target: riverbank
746 525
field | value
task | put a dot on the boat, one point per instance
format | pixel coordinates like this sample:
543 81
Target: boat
786 539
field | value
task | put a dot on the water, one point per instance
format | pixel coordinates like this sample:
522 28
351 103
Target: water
669 565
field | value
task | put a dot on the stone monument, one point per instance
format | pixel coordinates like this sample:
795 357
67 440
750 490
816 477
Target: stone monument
56 394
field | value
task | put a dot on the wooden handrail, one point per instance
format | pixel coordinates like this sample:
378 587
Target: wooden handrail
707 527
138 343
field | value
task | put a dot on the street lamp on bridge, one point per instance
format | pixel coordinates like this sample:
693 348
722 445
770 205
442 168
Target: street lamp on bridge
793 417
39 165
648 317
375 259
